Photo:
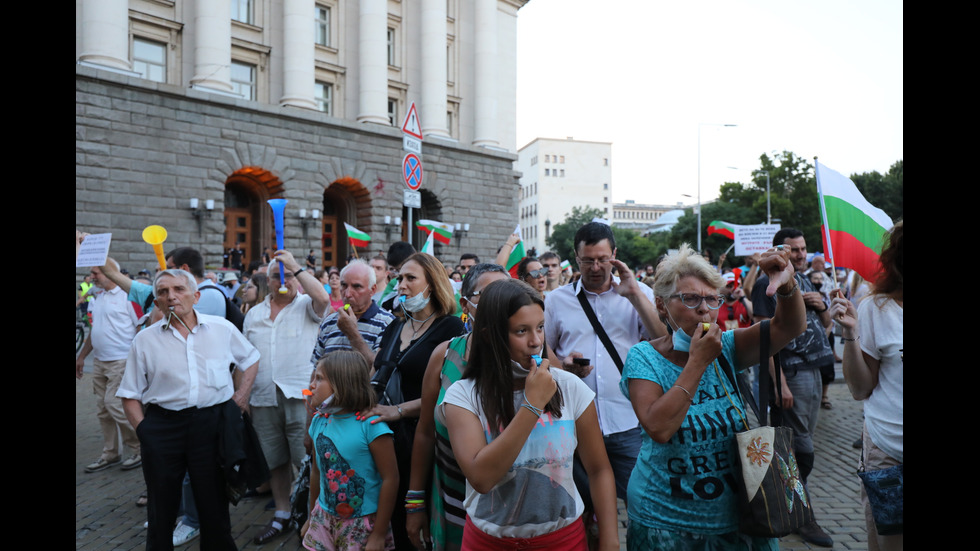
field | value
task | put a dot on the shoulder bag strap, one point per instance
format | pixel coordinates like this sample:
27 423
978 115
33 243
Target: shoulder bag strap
599 331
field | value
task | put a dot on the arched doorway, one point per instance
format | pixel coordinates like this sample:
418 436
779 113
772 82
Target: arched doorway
248 217
344 200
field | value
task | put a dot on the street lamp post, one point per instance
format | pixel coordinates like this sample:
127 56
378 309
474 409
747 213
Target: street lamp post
700 124
768 212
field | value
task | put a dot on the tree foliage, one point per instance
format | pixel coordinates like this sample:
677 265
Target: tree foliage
885 191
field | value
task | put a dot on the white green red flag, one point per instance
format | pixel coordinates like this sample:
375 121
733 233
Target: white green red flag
721 228
442 232
429 247
853 227
516 254
356 236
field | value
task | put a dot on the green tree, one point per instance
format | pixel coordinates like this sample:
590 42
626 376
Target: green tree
562 237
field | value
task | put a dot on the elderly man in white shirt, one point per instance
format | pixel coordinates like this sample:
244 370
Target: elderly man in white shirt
624 309
177 370
284 328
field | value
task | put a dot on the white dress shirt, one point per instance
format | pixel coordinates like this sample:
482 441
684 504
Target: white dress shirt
113 325
285 344
567 329
165 369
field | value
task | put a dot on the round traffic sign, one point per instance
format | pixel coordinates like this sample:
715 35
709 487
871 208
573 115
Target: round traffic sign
412 171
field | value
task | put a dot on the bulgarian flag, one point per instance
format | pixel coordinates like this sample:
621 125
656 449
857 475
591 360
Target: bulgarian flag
516 254
721 228
853 228
442 232
429 247
356 236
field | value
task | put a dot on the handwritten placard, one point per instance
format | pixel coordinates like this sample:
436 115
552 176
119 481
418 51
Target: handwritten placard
94 250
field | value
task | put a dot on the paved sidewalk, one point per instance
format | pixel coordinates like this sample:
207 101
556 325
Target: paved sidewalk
107 518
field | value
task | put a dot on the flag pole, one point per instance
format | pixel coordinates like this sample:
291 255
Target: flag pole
823 217
353 248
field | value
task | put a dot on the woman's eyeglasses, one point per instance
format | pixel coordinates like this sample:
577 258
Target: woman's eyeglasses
692 300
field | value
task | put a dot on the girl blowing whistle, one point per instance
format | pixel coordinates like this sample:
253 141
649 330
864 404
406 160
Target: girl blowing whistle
514 425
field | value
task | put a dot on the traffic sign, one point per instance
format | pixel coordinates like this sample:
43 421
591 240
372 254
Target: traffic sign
412 126
412 171
411 144
412 199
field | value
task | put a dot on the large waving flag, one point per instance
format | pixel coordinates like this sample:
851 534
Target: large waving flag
516 254
441 231
721 228
356 236
853 227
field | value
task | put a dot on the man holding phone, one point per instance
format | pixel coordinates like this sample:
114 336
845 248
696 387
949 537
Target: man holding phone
624 313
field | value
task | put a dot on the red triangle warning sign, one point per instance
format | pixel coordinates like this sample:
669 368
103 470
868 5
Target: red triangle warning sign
412 126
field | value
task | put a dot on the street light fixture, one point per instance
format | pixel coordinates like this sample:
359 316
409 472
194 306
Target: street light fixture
700 124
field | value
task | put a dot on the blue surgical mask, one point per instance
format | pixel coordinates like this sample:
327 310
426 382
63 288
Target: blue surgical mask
681 340
416 303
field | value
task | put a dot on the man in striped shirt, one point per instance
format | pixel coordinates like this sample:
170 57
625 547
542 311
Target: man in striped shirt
360 323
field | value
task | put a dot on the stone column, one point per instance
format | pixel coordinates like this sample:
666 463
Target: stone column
485 82
105 33
432 111
212 51
299 60
373 62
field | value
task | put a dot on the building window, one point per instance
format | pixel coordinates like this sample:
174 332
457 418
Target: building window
243 79
150 59
393 111
324 97
547 158
562 159
322 25
391 46
562 172
605 161
605 186
605 199
547 172
241 10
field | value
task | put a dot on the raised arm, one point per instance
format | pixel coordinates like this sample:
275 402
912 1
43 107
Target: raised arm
629 288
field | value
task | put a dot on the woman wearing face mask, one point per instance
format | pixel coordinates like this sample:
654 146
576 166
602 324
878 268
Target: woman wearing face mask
432 456
515 424
679 497
424 306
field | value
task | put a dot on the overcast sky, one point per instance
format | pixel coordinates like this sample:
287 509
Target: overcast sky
816 78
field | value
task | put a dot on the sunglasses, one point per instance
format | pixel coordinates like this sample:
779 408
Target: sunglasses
538 273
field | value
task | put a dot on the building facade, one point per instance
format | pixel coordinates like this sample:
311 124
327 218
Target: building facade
192 114
556 176
645 218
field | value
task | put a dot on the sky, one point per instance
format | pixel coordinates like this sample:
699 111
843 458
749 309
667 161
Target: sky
659 79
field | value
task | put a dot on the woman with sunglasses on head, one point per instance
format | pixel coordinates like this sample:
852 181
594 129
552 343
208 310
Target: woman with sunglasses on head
515 424
680 494
532 271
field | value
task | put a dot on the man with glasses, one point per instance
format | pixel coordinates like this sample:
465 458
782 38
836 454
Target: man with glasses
283 327
624 310
801 361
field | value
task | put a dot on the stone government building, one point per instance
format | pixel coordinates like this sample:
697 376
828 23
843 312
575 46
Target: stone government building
306 105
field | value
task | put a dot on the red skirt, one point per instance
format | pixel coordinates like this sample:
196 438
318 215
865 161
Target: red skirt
571 537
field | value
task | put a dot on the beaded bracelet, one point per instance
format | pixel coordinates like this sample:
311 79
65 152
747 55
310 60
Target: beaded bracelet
845 339
415 501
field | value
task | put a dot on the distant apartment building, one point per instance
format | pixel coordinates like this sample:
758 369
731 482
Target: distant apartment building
644 218
556 176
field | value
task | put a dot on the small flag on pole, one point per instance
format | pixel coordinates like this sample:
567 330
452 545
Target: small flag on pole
443 232
853 227
356 236
429 247
565 264
721 228
516 254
